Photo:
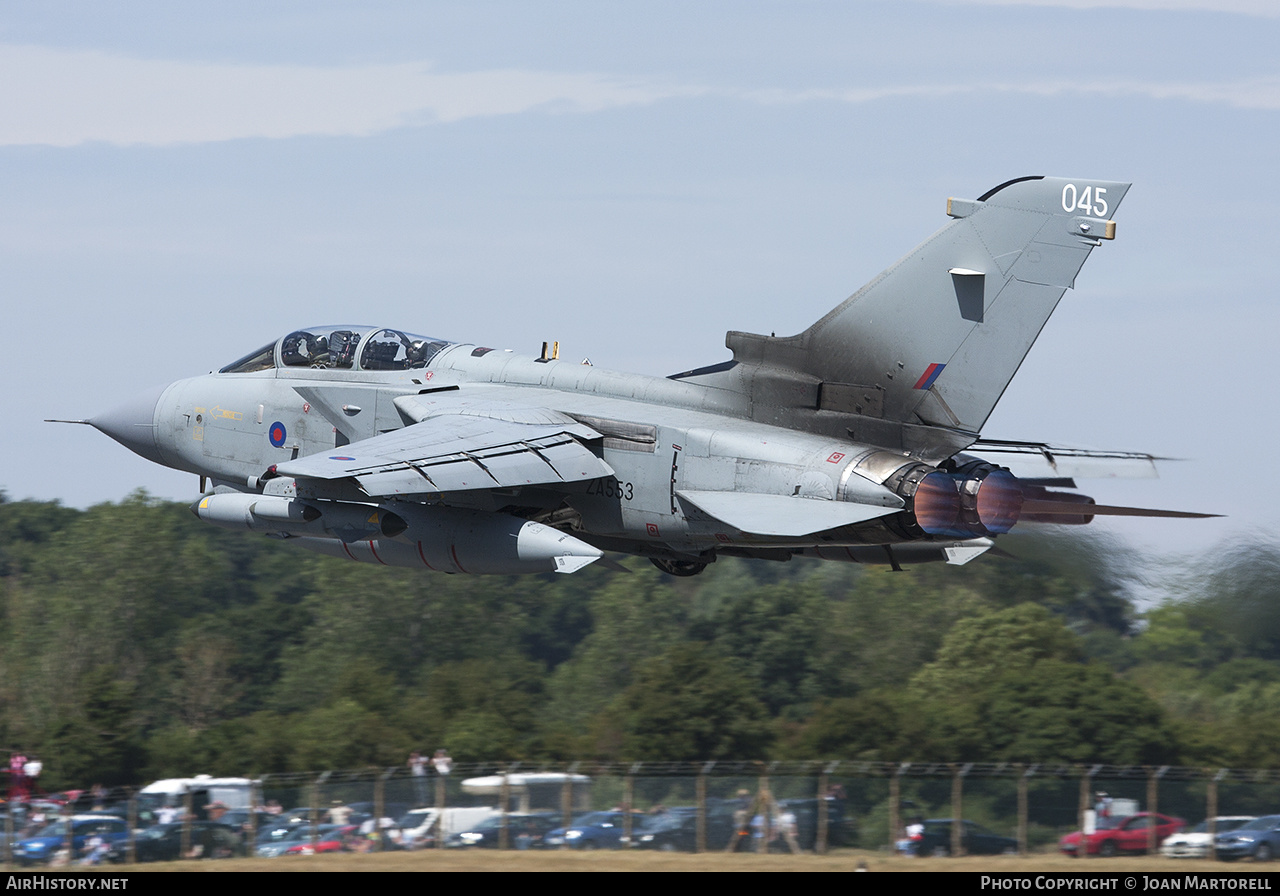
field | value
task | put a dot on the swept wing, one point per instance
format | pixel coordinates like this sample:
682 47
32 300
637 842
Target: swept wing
462 447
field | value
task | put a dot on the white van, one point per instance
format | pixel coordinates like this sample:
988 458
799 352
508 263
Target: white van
417 826
234 793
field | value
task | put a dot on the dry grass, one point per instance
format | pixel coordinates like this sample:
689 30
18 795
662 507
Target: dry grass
840 860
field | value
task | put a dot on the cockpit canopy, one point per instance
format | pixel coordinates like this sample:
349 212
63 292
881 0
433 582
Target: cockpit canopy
342 347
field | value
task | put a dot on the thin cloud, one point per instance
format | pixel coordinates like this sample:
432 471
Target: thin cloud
1263 8
1252 93
65 98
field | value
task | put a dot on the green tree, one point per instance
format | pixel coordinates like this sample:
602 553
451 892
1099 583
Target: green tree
878 725
480 708
981 648
688 703
1072 712
634 617
775 633
1240 596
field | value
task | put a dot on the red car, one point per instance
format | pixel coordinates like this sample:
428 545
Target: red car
1117 835
333 840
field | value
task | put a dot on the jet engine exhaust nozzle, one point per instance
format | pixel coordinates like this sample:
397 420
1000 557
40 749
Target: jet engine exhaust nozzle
973 502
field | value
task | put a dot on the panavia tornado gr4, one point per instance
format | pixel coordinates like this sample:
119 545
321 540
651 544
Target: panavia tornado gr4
850 441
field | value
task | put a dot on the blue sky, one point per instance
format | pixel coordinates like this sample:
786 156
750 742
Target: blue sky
181 183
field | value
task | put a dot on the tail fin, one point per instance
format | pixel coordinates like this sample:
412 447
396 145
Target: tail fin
936 338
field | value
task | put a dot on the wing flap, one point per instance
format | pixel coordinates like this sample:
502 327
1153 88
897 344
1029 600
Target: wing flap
456 452
781 515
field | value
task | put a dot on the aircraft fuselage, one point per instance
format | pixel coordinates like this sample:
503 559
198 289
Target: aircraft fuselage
661 436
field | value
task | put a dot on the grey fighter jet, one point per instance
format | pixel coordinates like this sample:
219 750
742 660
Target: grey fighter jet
855 440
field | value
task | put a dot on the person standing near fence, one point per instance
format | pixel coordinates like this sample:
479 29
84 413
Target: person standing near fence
418 768
442 762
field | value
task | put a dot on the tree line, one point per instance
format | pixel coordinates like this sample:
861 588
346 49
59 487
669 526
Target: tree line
138 643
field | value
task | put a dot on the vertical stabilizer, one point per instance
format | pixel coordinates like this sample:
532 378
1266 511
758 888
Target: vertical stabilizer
937 337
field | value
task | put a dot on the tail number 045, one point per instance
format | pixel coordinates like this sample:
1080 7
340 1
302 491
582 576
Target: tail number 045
1089 200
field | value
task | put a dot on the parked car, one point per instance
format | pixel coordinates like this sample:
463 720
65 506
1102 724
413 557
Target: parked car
40 849
1258 840
677 829
594 830
975 839
277 830
524 831
1113 836
1195 843
295 837
163 842
334 839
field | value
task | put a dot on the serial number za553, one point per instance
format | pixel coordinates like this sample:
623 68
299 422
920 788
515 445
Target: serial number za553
609 487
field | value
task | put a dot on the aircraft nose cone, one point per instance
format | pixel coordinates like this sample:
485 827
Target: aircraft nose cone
133 424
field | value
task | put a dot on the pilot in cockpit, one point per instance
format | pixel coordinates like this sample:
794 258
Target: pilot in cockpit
303 349
418 353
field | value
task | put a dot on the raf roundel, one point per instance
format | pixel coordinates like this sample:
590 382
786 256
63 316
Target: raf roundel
277 434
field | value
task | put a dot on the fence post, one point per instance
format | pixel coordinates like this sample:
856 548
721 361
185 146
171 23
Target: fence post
566 798
895 798
1153 797
131 822
504 837
1023 809
628 800
764 800
1086 802
1083 802
185 840
441 780
8 832
380 800
701 832
255 799
820 838
316 797
958 774
1211 813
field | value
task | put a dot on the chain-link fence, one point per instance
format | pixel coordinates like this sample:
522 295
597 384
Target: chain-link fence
695 807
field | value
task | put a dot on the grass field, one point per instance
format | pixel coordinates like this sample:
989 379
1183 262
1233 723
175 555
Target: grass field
840 860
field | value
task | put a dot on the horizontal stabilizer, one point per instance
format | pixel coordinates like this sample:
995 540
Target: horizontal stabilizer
1036 460
781 515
